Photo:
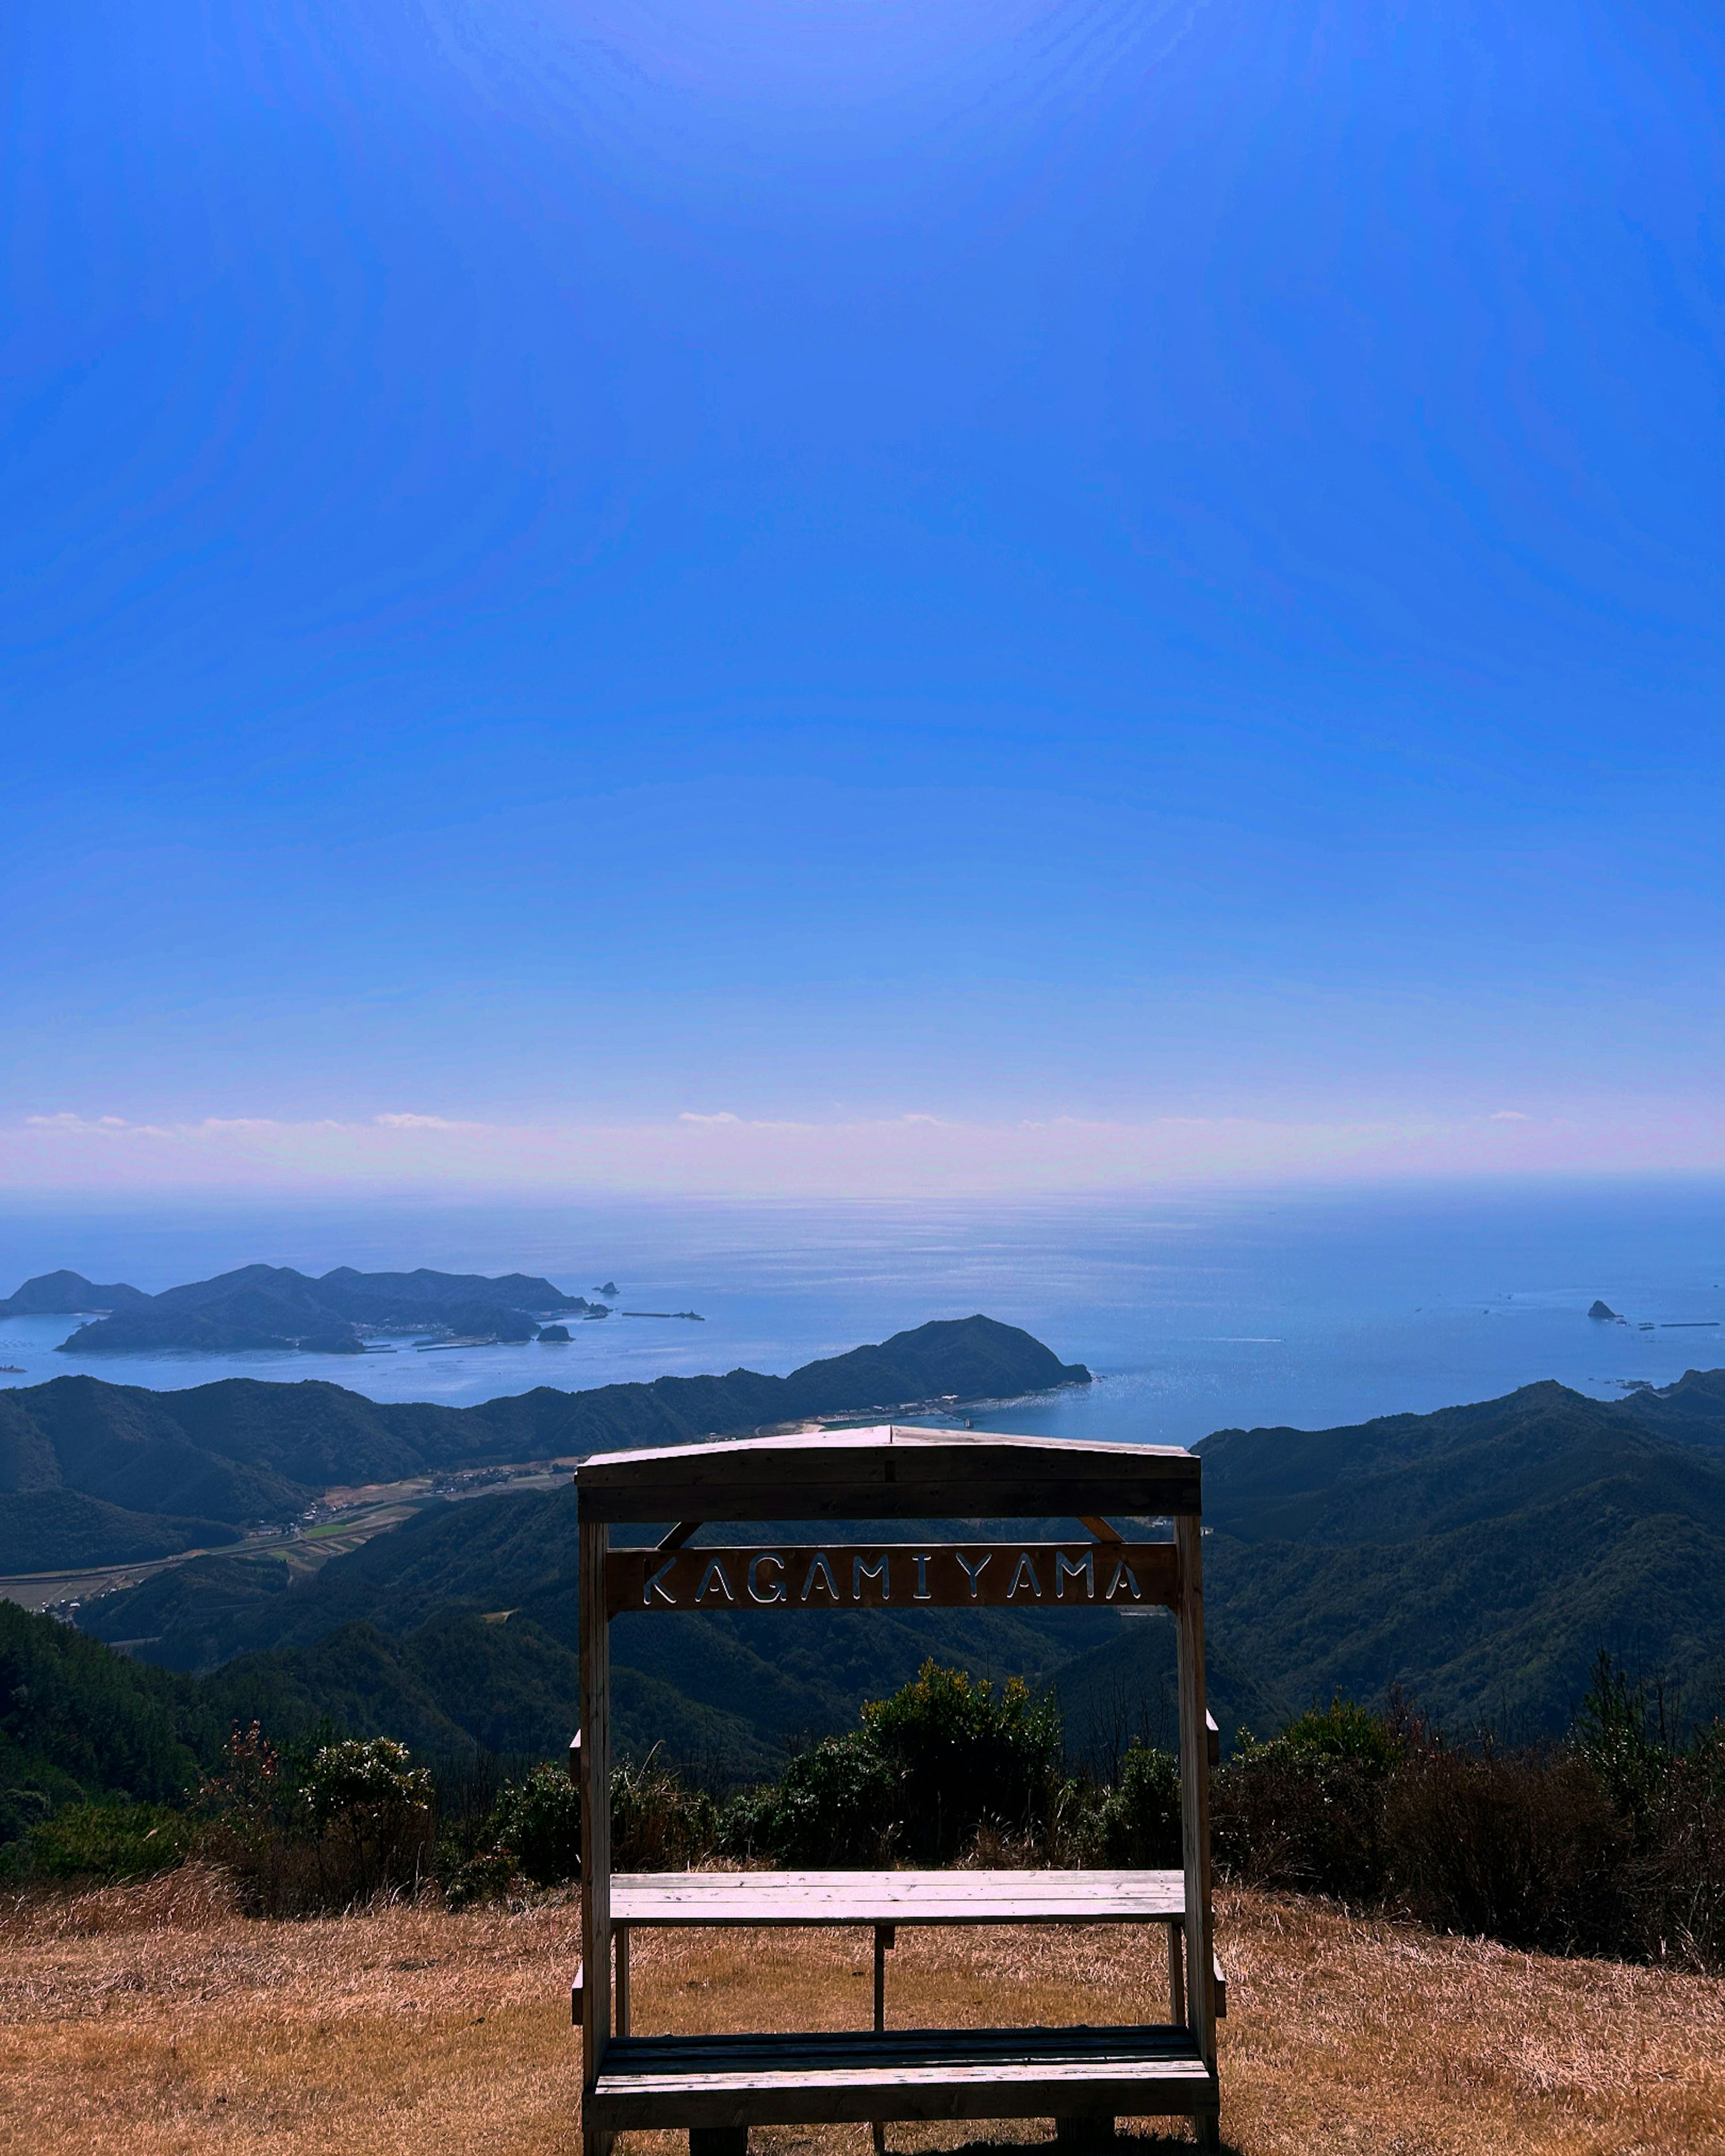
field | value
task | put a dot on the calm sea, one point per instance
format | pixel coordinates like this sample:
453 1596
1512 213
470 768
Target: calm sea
1194 1312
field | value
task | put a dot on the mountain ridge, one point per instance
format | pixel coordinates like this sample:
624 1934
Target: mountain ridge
243 1450
1477 1559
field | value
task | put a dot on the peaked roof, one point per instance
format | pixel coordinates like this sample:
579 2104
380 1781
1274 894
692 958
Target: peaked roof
890 1471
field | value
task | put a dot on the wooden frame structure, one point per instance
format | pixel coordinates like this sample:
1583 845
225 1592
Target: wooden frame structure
717 2087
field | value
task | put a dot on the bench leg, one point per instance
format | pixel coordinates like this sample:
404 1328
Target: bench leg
718 2141
1206 2126
1176 1976
886 1938
1081 2133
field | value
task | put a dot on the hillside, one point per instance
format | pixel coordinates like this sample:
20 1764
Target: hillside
241 1450
1477 1557
64 1530
75 1719
397 1626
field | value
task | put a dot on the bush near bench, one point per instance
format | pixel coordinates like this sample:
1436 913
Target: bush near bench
1611 1843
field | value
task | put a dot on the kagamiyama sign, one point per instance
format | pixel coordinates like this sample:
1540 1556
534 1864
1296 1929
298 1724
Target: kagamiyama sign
939 1576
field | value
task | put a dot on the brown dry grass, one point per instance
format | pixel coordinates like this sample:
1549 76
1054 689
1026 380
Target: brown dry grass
146 2019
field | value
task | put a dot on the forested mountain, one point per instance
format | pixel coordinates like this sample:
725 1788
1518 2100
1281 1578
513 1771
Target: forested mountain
215 1457
76 1719
1477 1557
67 1294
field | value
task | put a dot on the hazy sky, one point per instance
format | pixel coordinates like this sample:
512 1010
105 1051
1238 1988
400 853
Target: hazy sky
1052 591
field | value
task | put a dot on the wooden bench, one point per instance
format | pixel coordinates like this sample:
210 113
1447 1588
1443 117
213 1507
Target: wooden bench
716 2087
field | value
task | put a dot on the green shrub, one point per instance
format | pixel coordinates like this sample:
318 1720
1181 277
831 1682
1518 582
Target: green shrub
365 1784
966 1754
20 1810
1343 1731
540 1822
103 1841
946 1757
836 1803
1138 1821
370 1811
1305 1819
532 1836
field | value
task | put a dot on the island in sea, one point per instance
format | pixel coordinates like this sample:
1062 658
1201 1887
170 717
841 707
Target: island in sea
273 1307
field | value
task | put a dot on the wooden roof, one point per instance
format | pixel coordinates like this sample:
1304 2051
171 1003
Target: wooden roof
889 1471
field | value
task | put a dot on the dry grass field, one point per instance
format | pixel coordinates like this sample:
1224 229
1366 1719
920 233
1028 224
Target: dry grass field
137 2021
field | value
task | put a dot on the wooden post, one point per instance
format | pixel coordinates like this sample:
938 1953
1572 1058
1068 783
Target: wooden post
595 1817
622 1931
886 1938
1196 1803
1176 1977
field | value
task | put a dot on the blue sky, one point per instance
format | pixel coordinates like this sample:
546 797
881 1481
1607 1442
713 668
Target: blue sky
1141 582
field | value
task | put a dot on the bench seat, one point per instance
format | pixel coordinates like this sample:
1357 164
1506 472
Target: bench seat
1118 1896
807 2079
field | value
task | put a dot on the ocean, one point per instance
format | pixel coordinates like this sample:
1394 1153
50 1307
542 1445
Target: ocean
1196 1311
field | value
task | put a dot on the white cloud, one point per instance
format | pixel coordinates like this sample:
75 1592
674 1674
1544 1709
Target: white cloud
910 1154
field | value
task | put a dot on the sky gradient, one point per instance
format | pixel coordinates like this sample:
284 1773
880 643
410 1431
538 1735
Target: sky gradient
858 595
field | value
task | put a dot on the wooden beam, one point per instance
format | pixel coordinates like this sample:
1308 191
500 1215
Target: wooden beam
1195 1803
903 1475
850 2075
595 1824
894 1575
680 1534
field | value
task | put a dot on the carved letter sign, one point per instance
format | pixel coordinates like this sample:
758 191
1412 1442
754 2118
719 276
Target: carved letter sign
941 1576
